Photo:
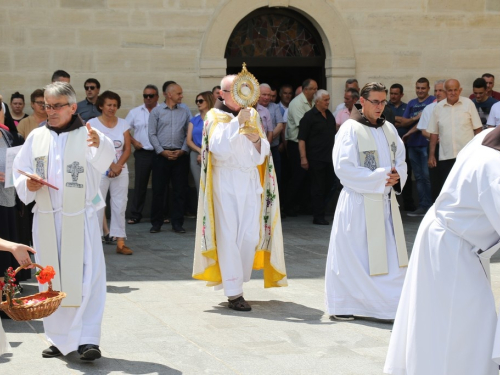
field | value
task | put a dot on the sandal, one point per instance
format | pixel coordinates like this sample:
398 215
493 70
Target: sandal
239 304
134 221
108 240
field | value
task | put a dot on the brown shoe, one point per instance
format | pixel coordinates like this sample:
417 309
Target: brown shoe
124 250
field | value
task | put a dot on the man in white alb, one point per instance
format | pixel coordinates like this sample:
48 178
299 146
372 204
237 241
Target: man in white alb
66 232
367 255
238 224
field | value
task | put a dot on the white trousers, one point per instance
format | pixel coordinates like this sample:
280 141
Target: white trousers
118 191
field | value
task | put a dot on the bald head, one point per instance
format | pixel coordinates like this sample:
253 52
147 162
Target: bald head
173 95
453 90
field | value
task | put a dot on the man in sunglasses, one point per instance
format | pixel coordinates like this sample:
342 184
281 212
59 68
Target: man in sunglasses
87 108
144 153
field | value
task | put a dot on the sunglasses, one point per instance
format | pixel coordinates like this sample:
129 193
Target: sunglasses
148 96
199 101
87 88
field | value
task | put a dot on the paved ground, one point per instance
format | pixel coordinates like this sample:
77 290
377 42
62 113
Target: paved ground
160 321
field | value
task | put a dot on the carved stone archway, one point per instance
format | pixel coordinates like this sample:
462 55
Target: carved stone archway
339 50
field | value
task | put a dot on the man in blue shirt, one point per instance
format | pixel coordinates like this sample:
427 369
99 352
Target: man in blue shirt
417 145
398 107
481 100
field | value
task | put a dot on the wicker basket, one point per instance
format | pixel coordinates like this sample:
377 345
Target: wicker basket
37 310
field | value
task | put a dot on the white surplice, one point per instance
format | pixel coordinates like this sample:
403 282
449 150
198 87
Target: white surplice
446 318
237 202
4 344
350 290
69 327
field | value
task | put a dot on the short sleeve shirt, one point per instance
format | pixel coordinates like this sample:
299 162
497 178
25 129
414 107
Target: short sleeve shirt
484 109
455 125
413 108
494 116
116 135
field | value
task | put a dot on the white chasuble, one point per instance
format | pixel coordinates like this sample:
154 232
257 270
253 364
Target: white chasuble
70 275
374 203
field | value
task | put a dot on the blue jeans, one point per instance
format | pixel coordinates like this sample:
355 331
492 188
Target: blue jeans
418 160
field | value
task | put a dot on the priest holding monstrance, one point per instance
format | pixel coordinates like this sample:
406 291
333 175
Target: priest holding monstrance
70 157
239 224
367 257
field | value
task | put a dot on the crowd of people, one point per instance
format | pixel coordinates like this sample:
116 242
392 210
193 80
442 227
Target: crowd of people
371 146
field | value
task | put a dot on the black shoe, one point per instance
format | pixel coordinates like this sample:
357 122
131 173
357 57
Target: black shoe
89 352
51 352
239 304
154 229
178 229
320 222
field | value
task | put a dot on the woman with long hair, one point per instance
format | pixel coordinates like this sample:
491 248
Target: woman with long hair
204 102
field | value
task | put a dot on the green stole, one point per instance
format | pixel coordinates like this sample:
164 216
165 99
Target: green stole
69 267
374 204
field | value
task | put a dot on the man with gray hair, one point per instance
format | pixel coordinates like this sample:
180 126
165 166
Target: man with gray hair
351 97
316 137
144 153
351 83
66 232
367 257
273 133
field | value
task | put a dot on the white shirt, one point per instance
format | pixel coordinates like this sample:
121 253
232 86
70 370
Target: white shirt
425 117
138 118
494 117
339 108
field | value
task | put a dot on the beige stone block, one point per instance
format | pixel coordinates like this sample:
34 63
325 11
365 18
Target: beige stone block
97 38
83 4
130 4
487 21
407 60
212 4
184 37
33 4
380 6
141 39
493 5
21 16
31 59
181 60
52 36
111 18
12 82
124 61
475 58
373 60
76 60
70 18
12 35
455 5
172 20
139 19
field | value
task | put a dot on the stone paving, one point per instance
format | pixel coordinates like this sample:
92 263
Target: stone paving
160 321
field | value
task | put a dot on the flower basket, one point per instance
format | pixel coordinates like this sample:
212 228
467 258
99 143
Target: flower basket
36 306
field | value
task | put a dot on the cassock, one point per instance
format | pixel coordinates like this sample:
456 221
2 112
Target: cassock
239 225
350 289
446 318
69 327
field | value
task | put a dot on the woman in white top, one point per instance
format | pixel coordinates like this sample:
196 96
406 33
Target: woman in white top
116 177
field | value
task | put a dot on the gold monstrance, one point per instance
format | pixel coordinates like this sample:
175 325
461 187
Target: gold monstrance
245 92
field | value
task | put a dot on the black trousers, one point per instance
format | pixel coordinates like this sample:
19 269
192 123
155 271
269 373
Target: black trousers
435 177
323 183
444 170
143 167
164 171
298 175
407 192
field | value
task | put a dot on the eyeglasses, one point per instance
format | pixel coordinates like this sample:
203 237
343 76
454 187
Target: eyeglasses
55 107
199 101
87 88
41 104
376 103
148 96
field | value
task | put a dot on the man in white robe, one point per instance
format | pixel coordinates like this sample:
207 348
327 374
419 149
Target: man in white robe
351 288
446 318
239 224
69 328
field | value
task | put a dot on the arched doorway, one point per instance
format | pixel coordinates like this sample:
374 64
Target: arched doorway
279 46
